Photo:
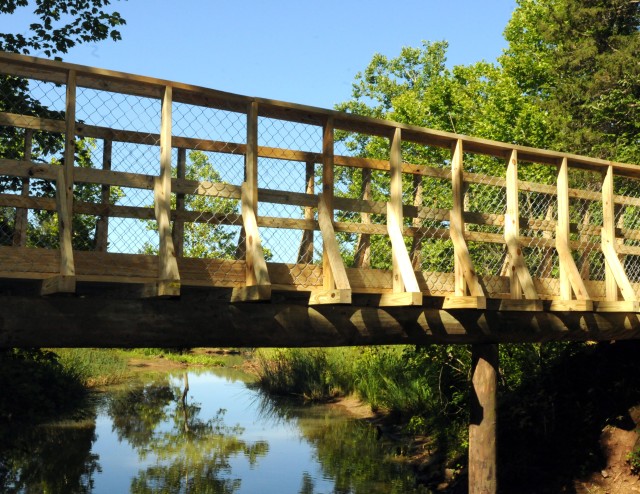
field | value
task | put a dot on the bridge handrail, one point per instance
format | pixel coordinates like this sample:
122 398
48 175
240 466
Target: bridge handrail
479 250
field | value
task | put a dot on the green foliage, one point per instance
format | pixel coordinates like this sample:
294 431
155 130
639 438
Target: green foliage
35 386
93 366
577 60
314 374
180 355
61 24
633 459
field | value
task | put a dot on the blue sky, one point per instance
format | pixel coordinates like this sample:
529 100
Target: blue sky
304 52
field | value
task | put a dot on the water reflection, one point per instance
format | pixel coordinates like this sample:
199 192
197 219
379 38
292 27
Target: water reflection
218 437
190 454
53 459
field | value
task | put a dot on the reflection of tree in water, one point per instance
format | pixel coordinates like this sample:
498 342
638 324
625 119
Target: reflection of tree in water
350 452
191 454
51 459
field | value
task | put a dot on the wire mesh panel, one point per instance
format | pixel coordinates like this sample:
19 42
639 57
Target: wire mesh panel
585 209
428 190
289 168
486 198
538 208
363 186
25 98
210 168
627 221
137 151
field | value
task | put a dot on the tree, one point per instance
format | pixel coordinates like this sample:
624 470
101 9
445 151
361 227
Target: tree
58 26
578 60
61 24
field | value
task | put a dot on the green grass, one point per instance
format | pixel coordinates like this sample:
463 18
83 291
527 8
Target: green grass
183 356
93 366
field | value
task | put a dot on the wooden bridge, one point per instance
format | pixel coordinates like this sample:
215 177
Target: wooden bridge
169 211
142 212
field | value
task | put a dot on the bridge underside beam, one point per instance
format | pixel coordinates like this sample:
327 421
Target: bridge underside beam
205 317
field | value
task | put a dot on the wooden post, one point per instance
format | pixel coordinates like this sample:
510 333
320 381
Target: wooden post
65 282
22 214
616 278
512 219
609 230
570 278
305 253
102 225
168 284
563 228
483 418
395 205
465 277
327 197
405 285
177 233
251 184
519 276
456 219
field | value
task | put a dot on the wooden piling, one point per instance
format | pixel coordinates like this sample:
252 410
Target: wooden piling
482 426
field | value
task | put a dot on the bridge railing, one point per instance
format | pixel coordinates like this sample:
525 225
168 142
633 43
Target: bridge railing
111 177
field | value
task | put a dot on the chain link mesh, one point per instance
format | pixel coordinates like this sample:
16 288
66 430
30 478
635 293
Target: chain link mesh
538 209
627 221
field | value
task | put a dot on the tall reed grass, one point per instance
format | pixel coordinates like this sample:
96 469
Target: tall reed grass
93 366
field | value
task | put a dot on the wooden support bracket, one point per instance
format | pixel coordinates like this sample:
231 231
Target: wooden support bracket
257 275
519 276
407 281
58 284
468 272
468 292
570 277
615 275
341 293
65 282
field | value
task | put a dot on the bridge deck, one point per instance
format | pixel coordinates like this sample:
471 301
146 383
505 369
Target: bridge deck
148 197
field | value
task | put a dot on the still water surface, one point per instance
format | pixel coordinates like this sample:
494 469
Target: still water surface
225 438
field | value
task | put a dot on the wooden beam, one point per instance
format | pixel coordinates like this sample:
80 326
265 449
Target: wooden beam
333 264
483 419
168 275
64 281
326 200
205 318
102 224
616 278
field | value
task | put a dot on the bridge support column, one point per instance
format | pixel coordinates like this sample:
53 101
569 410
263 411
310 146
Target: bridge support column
482 426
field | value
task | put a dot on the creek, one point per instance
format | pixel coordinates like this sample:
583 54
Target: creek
225 436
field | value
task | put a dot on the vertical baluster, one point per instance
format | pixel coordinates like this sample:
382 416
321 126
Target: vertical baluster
102 225
22 214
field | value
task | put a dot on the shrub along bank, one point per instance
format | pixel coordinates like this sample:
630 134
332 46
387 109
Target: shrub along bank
554 399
